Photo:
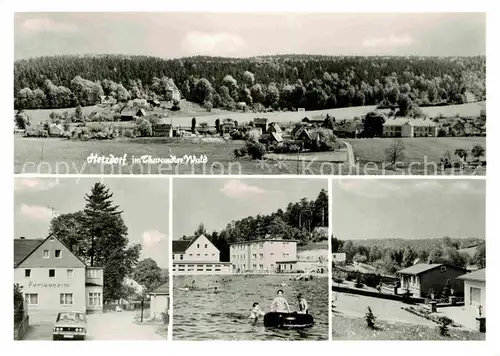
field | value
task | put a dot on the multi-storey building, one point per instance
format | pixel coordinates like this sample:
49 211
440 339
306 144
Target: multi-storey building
53 279
262 255
197 256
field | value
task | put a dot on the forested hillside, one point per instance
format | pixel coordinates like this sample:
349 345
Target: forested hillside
297 221
277 82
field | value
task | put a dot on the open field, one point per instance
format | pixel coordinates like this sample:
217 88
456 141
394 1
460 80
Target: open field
189 110
54 155
346 328
416 149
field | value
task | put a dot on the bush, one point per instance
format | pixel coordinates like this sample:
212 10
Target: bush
443 327
324 141
35 132
359 282
129 133
256 150
145 128
371 280
18 304
370 318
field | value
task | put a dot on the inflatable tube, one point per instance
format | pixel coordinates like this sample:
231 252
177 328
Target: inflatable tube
288 320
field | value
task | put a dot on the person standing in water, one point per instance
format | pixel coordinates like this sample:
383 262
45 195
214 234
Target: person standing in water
256 312
303 307
279 304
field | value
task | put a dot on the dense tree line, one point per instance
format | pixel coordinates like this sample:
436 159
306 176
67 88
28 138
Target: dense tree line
391 255
278 82
296 222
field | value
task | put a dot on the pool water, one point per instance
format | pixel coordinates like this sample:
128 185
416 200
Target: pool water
201 314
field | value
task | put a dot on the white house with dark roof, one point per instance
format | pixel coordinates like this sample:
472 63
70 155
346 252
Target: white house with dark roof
53 279
409 127
197 256
159 302
475 289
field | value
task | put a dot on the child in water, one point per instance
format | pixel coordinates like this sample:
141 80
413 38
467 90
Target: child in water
256 312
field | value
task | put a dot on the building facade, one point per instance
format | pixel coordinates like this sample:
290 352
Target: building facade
421 278
53 279
262 256
159 302
339 258
475 289
197 256
407 127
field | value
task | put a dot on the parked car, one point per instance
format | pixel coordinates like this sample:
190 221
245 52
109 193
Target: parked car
70 325
118 308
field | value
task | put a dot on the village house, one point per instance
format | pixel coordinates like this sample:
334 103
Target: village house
261 123
227 126
262 255
107 100
197 256
53 279
421 278
475 289
408 127
339 258
159 301
163 128
274 127
131 115
307 261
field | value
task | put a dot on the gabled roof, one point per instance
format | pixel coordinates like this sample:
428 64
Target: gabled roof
277 136
180 246
24 247
420 268
163 289
142 111
479 275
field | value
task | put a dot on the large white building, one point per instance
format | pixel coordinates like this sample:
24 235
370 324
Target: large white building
408 127
475 289
53 279
197 256
262 256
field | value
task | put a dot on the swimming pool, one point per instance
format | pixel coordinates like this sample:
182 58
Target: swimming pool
202 314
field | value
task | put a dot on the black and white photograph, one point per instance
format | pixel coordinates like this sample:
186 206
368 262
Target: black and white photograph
250 93
408 259
250 259
91 259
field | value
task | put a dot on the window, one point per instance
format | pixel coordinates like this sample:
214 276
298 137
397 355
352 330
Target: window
261 256
190 254
52 273
66 299
27 272
197 245
69 272
197 254
94 299
57 254
254 256
46 254
31 298
206 254
92 273
206 246
182 257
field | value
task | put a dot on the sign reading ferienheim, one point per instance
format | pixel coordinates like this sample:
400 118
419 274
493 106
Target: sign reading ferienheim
48 285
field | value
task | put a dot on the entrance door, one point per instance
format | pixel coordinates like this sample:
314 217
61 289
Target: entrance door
475 296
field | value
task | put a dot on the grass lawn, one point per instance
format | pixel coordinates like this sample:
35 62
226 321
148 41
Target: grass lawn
346 328
61 156
417 150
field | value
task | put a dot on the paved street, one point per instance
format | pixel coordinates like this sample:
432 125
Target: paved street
106 326
356 306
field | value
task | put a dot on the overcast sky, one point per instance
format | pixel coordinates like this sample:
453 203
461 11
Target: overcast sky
411 209
216 202
250 34
144 203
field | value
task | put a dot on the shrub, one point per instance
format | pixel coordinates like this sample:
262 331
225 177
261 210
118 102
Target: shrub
443 327
129 133
36 132
165 317
359 282
18 304
323 140
22 120
256 150
371 280
145 128
370 318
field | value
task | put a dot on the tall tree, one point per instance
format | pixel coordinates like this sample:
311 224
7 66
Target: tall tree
98 235
148 274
